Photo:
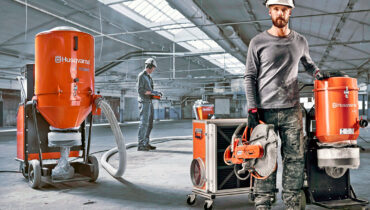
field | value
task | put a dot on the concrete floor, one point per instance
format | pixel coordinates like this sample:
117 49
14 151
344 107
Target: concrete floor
153 180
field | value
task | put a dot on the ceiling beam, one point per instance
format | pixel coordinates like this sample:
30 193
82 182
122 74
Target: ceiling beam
77 24
337 30
339 43
323 11
252 16
234 23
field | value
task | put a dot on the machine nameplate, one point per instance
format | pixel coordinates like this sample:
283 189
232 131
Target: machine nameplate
346 131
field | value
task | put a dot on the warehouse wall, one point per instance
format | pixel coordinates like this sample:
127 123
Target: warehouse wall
10 100
114 104
131 110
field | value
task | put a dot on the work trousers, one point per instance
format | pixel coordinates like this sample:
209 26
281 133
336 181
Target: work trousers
146 122
288 125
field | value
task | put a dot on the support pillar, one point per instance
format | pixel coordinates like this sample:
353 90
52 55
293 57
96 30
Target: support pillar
122 106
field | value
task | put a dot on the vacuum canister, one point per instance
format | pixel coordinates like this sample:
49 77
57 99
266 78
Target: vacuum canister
64 76
336 109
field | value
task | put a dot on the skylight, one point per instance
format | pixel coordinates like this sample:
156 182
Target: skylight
170 23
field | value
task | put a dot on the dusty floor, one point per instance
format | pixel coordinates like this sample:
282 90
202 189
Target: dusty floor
153 180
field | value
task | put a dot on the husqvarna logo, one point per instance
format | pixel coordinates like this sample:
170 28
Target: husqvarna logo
58 59
62 59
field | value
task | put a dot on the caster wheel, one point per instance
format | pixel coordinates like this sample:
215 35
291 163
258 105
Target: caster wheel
191 199
22 169
251 197
273 198
208 205
34 174
95 172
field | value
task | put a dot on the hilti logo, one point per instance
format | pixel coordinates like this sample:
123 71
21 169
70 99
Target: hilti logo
335 105
62 59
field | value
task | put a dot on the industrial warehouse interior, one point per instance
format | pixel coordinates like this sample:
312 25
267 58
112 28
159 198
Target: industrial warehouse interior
154 104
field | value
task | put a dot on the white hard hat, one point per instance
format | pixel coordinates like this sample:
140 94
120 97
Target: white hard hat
151 61
289 3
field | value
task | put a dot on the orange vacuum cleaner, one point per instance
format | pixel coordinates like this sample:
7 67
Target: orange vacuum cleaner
57 97
332 127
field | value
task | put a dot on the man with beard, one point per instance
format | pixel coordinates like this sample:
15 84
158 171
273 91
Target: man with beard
272 93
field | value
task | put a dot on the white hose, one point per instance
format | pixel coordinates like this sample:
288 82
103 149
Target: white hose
121 147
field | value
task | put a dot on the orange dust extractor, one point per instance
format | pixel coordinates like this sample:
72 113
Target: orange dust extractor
333 126
57 97
203 110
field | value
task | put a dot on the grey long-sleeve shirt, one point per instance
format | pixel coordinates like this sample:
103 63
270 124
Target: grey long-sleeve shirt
144 83
271 77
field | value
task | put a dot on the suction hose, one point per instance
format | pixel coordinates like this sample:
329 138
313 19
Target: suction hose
121 148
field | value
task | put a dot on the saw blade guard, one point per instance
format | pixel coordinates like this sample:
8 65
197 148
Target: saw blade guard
258 155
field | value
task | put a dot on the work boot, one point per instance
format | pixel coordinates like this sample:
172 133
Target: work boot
151 147
143 148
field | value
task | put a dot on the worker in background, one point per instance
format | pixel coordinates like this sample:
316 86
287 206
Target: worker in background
146 91
272 93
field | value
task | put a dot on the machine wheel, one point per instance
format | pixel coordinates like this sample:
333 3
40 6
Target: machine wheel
303 200
191 199
208 205
251 197
335 172
34 174
273 198
95 172
23 170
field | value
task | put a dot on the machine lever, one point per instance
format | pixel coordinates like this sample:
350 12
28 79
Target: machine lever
75 46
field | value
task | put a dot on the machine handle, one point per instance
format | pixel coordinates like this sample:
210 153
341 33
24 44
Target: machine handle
363 123
75 45
198 133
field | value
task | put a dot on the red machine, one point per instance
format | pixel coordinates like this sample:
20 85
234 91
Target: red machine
210 175
203 110
58 95
333 126
336 103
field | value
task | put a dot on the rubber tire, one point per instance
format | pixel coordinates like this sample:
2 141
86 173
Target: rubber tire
205 206
95 173
251 197
189 201
22 168
34 174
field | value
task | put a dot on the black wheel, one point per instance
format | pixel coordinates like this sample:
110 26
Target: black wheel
23 170
251 197
208 205
95 172
273 198
34 174
191 200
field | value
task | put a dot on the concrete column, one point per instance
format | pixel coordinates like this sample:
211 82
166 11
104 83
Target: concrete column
122 106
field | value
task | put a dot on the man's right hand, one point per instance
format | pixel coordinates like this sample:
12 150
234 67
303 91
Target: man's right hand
156 93
253 119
